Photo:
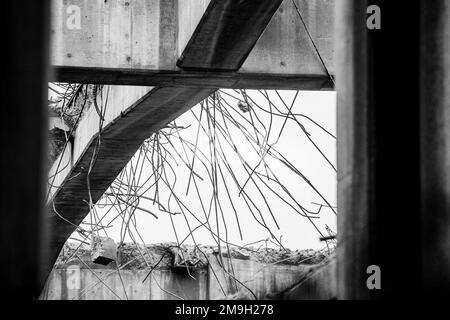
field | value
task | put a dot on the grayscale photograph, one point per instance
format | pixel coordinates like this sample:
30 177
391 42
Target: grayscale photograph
226 150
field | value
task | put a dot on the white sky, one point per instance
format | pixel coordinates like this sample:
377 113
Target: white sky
297 231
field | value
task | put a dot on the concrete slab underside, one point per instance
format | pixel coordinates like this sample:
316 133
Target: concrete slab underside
261 44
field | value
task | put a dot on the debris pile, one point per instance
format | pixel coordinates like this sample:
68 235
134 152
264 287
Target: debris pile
56 142
72 106
170 256
244 106
275 256
103 250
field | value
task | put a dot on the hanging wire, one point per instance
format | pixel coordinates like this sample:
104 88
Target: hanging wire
149 183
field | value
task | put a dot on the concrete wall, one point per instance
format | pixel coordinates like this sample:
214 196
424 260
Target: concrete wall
319 284
258 277
76 282
151 35
285 48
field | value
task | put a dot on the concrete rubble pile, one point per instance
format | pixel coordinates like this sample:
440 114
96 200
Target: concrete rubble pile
170 256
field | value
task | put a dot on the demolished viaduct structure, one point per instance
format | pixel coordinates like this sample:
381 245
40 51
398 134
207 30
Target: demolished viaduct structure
156 59
161 57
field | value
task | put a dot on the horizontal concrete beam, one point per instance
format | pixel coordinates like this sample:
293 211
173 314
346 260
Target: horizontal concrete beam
132 114
226 80
139 43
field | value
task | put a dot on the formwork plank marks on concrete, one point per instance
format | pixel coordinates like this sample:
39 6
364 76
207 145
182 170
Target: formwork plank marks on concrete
226 34
192 79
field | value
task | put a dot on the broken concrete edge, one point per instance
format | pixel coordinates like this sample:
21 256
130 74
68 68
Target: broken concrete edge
171 256
73 109
320 276
103 250
56 142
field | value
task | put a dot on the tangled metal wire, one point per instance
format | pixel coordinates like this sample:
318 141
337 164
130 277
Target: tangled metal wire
229 147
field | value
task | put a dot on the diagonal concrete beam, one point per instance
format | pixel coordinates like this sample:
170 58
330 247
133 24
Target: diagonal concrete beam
137 43
132 115
226 34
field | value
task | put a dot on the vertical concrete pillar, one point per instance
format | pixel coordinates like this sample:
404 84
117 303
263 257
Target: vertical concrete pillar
377 76
353 147
435 145
23 123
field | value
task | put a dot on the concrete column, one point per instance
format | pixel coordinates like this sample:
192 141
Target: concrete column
23 149
377 78
435 145
353 147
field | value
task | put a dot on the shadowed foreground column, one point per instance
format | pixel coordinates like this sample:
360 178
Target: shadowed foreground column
435 146
23 123
379 218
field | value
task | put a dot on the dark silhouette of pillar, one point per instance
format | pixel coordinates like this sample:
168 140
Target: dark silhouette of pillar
23 148
378 90
393 87
435 145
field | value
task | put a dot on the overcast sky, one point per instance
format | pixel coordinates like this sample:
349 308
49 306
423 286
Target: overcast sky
297 231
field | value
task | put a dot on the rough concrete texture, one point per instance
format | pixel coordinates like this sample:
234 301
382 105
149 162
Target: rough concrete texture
103 250
151 35
56 141
317 282
113 36
261 279
169 255
134 43
268 274
131 115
